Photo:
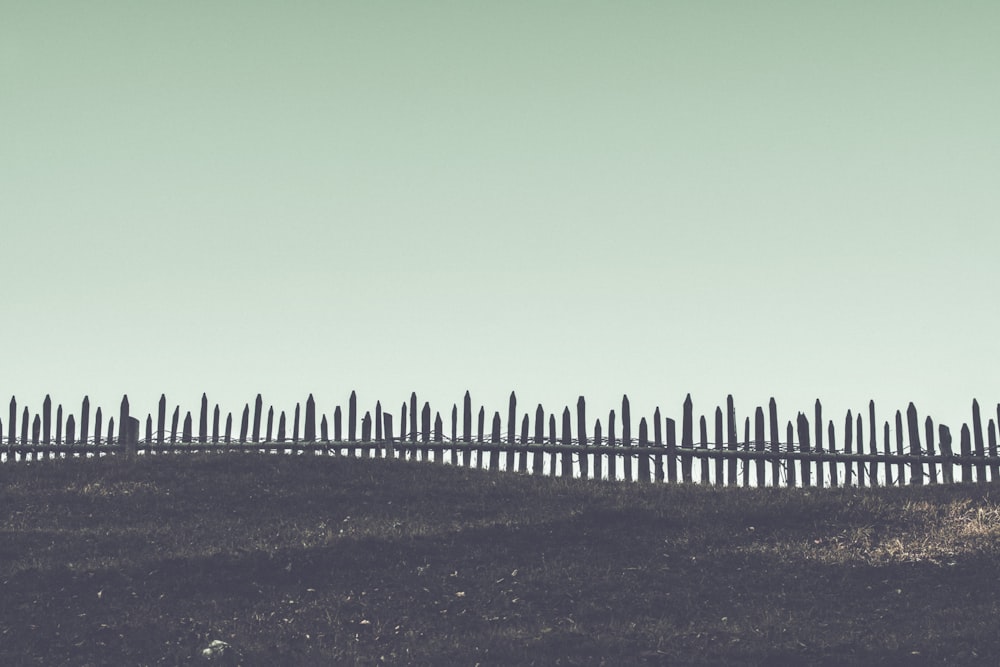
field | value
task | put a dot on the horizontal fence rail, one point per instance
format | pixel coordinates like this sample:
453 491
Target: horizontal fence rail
808 456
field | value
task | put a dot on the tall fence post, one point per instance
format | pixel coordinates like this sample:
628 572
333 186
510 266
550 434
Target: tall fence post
913 428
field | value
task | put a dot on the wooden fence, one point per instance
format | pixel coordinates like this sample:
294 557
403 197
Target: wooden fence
809 455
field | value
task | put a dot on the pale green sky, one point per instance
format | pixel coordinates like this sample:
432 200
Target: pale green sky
789 199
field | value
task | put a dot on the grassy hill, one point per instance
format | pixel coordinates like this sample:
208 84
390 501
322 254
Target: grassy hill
311 560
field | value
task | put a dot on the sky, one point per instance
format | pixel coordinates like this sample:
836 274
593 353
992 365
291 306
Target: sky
794 200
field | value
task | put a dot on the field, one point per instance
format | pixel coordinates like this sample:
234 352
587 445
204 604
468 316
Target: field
305 560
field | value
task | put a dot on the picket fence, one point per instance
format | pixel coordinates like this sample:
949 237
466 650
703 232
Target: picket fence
804 458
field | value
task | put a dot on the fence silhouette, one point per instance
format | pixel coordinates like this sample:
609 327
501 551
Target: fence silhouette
808 455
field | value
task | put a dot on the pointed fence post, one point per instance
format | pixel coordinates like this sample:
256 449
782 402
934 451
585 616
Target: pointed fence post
627 438
598 457
12 424
861 450
659 460
947 471
687 440
929 434
47 420
613 454
803 431
98 419
992 440
229 427
258 410
966 452
790 462
552 440
203 420
425 428
643 467
245 424
522 458
310 434
834 473
581 436
123 420
413 419
977 433
567 440
480 427
758 437
848 447
916 467
772 414
720 476
901 466
731 432
495 440
706 464
537 461
352 417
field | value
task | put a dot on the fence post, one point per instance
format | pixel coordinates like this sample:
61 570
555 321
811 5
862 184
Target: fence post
705 463
848 446
352 417
552 441
215 424
581 436
612 455
627 437
758 435
803 431
567 440
537 462
598 457
916 468
901 466
947 472
46 420
203 420
818 425
481 426
310 432
413 421
495 440
659 460
522 459
977 433
12 424
929 433
790 463
992 440
834 475
861 450
258 409
966 451
643 458
229 427
245 424
731 432
720 463
687 440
